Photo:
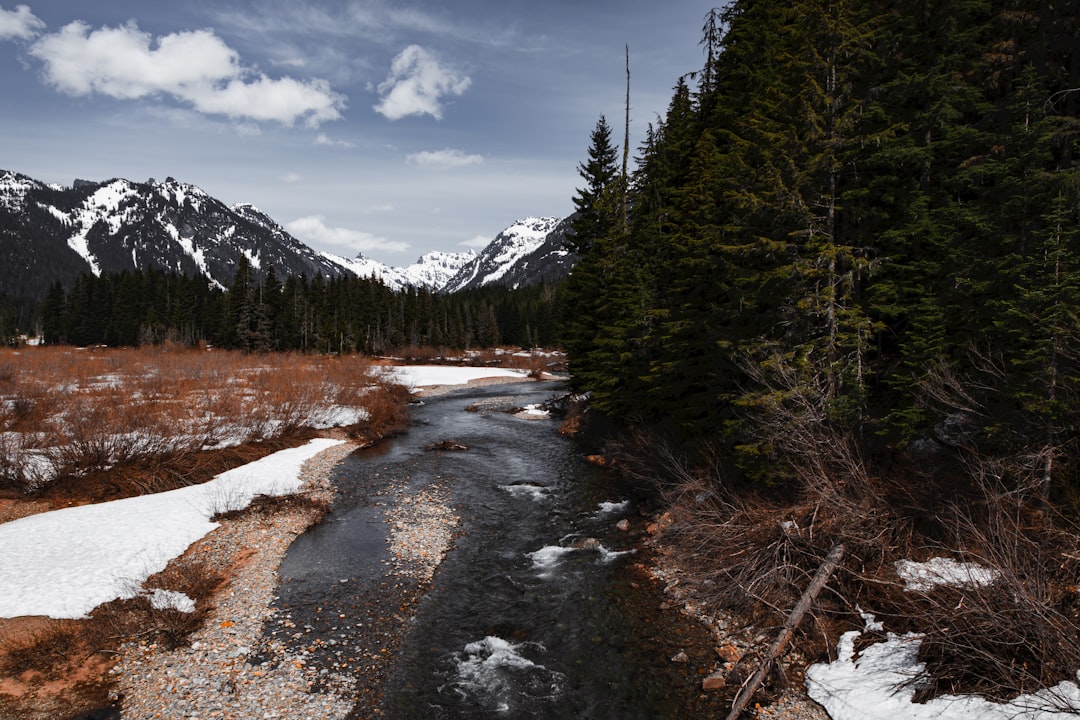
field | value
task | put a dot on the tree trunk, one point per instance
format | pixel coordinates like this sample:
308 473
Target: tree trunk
821 578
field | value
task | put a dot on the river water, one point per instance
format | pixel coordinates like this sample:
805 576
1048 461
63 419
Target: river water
538 611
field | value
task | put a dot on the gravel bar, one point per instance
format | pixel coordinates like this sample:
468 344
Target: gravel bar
213 677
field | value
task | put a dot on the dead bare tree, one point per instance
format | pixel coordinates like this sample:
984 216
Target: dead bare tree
821 578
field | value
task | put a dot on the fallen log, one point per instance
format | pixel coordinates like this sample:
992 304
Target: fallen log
821 578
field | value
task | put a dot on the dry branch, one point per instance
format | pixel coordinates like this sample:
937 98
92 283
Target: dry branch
821 578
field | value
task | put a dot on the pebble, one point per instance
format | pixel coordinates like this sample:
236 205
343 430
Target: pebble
731 646
422 529
214 676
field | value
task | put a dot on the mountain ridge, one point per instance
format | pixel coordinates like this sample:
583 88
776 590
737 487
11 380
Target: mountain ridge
51 233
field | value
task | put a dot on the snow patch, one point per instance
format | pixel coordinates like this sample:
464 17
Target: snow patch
881 682
253 257
170 600
66 562
421 375
924 576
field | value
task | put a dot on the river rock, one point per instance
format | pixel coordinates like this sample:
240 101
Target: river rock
714 682
680 657
447 445
729 653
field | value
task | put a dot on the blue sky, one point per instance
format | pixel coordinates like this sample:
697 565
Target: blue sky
374 126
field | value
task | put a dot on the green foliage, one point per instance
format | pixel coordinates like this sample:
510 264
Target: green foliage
317 315
855 193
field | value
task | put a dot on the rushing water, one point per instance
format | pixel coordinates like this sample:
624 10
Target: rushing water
535 612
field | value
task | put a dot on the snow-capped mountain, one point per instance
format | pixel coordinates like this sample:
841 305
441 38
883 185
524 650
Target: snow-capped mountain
51 234
123 225
431 271
509 247
549 262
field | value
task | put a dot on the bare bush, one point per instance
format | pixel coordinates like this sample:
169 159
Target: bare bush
76 412
386 412
138 617
269 505
47 649
1020 633
754 552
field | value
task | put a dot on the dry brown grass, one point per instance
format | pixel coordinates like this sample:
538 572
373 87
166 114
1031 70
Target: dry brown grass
54 649
136 618
68 413
90 425
46 649
753 555
1020 633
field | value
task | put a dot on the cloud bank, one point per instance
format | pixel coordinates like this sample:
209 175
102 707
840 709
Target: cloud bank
326 140
313 230
19 24
444 159
195 67
480 241
417 84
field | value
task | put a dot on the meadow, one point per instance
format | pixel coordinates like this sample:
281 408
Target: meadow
100 423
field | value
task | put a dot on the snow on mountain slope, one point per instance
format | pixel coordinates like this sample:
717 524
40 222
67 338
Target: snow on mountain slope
434 269
431 271
122 225
51 233
14 189
507 249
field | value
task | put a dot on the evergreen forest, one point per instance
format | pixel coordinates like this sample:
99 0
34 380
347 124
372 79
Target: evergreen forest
322 315
855 234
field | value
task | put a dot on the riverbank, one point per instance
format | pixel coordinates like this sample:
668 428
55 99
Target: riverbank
245 661
241 556
216 675
240 665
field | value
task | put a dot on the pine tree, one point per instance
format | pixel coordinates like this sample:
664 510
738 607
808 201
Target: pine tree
596 204
595 221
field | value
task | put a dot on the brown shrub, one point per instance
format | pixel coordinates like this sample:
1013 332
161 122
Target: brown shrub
47 649
119 621
143 413
1020 633
269 505
754 554
387 412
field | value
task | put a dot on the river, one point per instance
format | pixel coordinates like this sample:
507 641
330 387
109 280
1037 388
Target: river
541 609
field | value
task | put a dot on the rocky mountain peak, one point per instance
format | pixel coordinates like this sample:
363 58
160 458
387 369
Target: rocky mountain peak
54 233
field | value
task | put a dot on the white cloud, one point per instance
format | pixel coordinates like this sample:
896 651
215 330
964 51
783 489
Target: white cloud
19 24
247 129
324 139
314 231
296 62
290 177
480 241
195 67
416 85
445 158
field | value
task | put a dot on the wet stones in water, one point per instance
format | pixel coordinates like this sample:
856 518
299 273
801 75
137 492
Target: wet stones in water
447 445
